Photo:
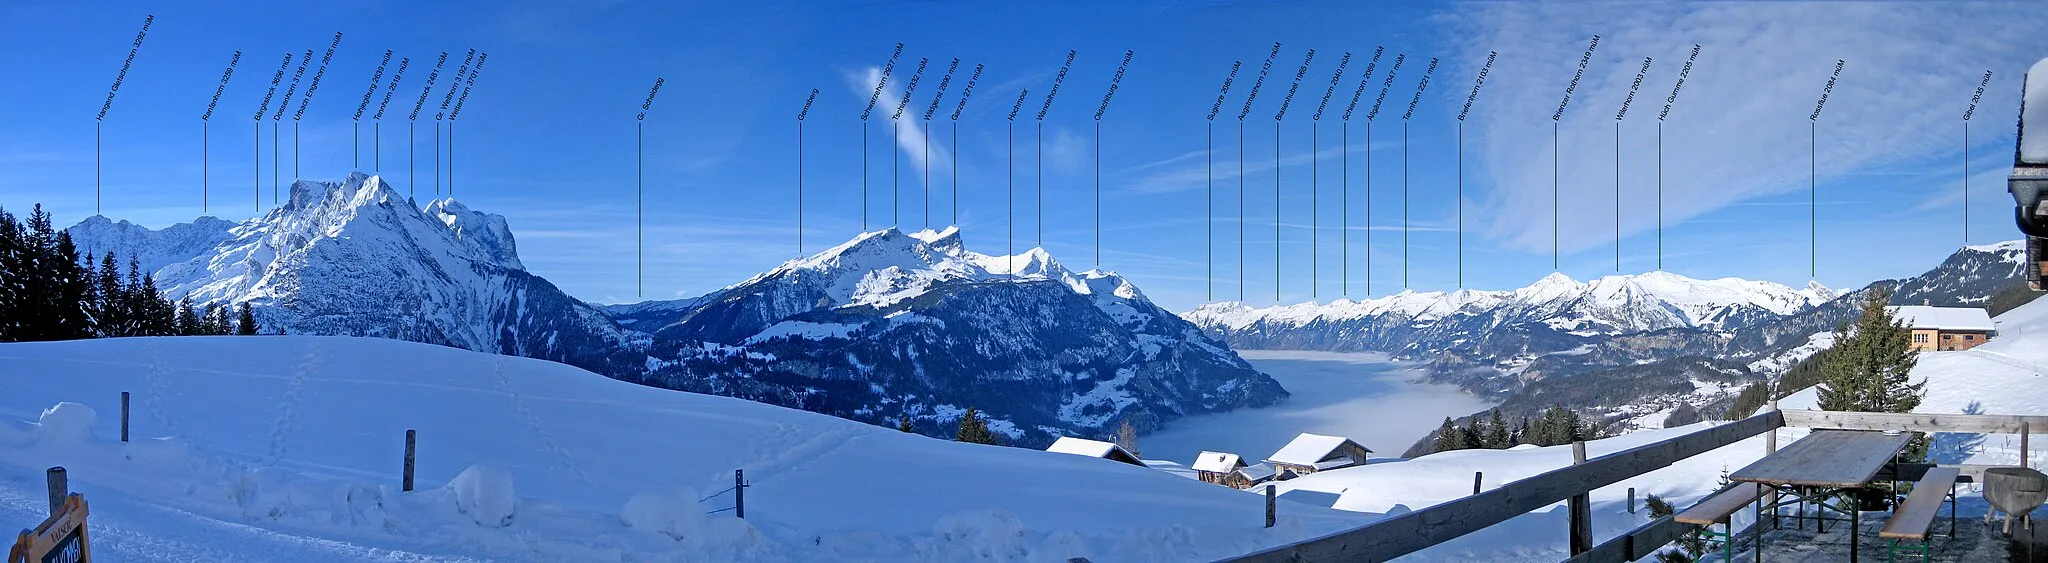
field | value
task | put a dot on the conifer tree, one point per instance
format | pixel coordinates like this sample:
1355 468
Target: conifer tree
1448 438
157 316
246 326
35 280
903 424
188 321
11 270
1497 433
1472 437
110 298
973 429
215 322
1872 364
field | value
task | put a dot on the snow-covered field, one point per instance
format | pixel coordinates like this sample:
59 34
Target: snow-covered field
282 448
1362 396
289 448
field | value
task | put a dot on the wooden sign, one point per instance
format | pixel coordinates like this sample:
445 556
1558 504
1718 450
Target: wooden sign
60 539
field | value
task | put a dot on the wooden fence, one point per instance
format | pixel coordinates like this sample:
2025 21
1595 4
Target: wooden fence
1408 533
1415 531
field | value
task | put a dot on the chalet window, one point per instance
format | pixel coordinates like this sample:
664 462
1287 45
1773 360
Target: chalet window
1948 337
1920 338
1970 337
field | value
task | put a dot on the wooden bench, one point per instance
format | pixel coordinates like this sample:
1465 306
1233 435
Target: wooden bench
1914 519
1718 509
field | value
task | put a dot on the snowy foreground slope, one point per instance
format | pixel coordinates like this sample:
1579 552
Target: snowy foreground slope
290 448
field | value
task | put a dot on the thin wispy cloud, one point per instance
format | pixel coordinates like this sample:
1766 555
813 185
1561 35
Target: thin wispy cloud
1178 174
909 128
1740 128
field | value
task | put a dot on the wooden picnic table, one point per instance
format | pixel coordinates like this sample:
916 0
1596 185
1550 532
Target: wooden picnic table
1824 463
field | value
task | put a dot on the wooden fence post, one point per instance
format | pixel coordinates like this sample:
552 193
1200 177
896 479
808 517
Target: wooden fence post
1631 500
410 436
2023 443
1581 509
124 416
1476 476
59 488
1269 505
739 493
1771 439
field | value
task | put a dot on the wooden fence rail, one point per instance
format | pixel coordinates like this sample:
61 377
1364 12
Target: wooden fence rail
1415 531
1418 530
1976 423
1638 543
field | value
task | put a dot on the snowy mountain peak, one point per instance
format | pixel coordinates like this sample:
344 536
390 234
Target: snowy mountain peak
1820 292
484 233
1611 304
946 240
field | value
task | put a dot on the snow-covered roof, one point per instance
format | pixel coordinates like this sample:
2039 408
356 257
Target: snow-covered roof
1334 464
1257 473
1944 318
1307 449
1218 462
1090 448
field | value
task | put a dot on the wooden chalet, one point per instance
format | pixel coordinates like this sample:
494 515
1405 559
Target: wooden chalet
1942 329
1309 453
1219 468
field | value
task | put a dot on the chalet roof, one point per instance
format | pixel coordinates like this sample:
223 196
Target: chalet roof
1334 464
1086 447
1942 318
1257 473
1307 449
1218 462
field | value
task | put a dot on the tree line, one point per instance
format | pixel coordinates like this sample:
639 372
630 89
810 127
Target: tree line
1557 426
49 292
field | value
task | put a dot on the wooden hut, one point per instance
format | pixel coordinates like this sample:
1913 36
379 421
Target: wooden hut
1309 453
1217 467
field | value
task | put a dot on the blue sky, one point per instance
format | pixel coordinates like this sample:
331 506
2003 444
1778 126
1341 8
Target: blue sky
546 137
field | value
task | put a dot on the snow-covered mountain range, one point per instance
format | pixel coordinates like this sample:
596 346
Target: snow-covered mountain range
1505 329
886 327
1626 347
894 325
1605 306
357 258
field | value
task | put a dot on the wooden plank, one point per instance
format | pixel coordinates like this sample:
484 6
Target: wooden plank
1827 458
1716 508
1415 531
1636 544
1912 518
1971 423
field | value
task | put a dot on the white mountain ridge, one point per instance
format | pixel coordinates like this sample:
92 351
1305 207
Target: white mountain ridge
1607 305
357 258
